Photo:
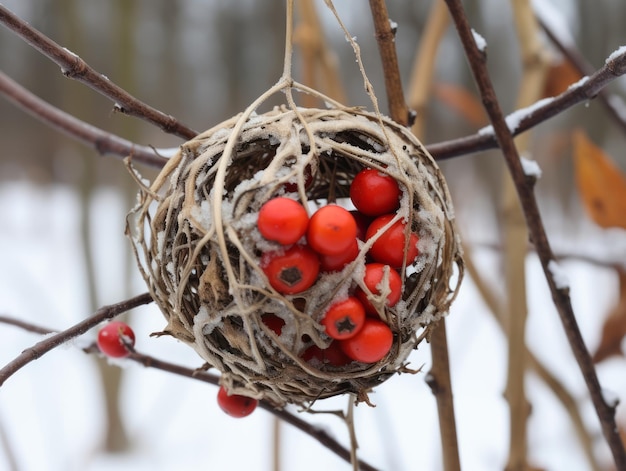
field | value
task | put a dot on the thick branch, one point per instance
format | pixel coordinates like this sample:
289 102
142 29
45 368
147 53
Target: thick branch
74 67
103 142
560 295
584 90
150 362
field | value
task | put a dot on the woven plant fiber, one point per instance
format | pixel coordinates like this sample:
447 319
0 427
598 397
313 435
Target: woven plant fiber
196 238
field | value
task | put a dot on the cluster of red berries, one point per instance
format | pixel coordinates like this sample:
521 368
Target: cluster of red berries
327 242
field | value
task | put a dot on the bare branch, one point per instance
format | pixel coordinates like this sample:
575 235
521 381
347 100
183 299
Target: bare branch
150 362
586 89
74 67
583 68
43 347
560 295
103 142
385 36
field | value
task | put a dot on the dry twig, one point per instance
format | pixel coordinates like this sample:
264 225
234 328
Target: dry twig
560 294
103 142
74 67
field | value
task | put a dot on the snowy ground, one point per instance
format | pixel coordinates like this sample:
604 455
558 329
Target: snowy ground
51 412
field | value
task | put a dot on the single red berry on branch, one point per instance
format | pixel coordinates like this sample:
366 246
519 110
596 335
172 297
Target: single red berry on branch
390 244
236 405
283 220
375 193
344 319
332 230
115 339
291 271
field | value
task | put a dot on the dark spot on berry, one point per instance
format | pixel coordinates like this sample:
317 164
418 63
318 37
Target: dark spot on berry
291 276
345 324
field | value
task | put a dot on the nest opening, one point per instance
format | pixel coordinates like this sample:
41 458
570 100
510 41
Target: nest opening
199 249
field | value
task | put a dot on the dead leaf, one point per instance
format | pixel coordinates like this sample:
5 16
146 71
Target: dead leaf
601 184
560 76
465 103
614 328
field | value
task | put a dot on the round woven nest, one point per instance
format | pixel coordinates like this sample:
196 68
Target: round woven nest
196 240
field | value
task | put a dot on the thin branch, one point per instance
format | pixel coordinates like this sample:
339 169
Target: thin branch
583 68
560 295
43 347
103 142
74 67
150 362
385 36
584 90
440 383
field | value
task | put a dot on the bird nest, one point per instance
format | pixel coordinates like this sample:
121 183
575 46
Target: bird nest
196 237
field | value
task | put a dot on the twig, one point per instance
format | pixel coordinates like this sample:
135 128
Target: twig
103 142
584 68
584 90
43 347
150 362
439 381
385 37
74 67
560 295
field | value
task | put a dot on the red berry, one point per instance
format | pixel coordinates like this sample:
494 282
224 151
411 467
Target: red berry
374 276
236 405
371 343
375 193
390 245
292 187
332 230
113 339
274 322
337 262
291 271
283 220
344 318
332 355
362 223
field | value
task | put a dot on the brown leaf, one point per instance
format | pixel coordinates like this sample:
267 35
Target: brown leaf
601 184
560 76
465 103
614 328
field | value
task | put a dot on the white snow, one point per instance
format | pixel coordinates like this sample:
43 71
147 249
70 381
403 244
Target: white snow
480 41
55 404
561 279
531 167
616 53
514 119
610 397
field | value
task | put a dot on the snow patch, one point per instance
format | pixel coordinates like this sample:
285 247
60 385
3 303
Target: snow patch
531 167
480 41
615 54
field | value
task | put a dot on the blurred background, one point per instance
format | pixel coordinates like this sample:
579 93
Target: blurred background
63 252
